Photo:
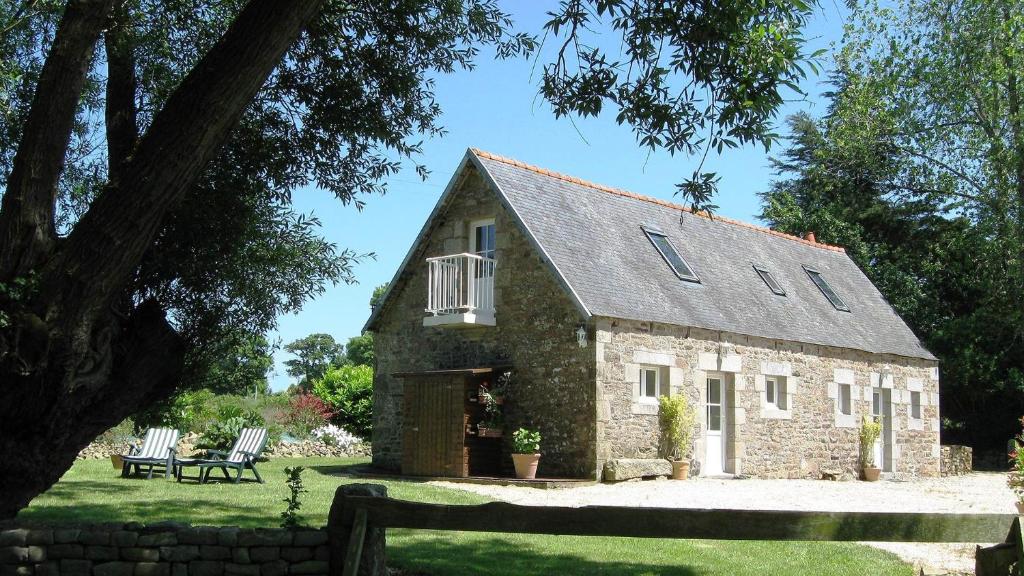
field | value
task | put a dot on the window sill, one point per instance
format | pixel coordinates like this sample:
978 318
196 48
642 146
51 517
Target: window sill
846 420
772 412
644 407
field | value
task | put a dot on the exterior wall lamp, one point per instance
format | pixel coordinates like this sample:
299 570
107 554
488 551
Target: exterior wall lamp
581 336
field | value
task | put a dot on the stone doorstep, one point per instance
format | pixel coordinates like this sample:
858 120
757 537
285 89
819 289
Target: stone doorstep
621 469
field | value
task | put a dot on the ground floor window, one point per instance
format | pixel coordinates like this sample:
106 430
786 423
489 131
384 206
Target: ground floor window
775 392
915 405
652 384
845 400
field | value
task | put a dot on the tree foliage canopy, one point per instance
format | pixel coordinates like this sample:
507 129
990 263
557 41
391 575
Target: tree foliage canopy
918 169
689 76
314 355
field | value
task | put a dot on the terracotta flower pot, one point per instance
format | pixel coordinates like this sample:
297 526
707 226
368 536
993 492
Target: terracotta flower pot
485 432
1020 507
871 473
526 465
680 469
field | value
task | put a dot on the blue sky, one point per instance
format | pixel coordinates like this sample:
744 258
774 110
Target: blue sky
495 107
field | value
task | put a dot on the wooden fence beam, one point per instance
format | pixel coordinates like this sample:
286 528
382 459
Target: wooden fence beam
711 524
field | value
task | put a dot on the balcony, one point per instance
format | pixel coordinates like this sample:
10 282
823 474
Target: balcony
460 291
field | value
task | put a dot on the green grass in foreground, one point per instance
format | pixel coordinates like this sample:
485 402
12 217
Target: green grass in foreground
92 492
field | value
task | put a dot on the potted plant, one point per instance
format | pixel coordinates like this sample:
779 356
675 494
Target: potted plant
495 393
491 425
489 429
526 453
870 429
676 419
1015 479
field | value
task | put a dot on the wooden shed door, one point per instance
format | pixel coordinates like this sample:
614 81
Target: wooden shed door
433 427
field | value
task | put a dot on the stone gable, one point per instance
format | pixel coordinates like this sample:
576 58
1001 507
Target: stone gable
553 384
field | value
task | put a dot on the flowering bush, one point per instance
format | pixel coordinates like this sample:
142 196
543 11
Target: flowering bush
349 391
306 413
335 436
1016 476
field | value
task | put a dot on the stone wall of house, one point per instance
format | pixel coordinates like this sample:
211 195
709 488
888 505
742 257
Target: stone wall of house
165 549
956 460
809 437
553 378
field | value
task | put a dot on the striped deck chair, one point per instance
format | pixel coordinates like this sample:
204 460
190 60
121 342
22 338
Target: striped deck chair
157 450
243 455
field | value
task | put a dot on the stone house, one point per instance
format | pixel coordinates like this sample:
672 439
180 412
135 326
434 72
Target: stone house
598 300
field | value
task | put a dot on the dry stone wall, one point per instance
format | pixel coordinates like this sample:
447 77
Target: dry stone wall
956 460
186 448
804 440
553 384
165 549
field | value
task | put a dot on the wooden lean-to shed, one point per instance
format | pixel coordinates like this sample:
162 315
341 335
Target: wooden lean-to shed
440 414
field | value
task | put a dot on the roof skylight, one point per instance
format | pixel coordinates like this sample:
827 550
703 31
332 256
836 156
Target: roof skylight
826 289
770 280
671 255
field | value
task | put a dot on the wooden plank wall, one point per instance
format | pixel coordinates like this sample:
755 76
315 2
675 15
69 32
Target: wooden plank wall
432 426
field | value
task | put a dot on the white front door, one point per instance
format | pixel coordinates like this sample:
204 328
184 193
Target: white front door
881 410
714 440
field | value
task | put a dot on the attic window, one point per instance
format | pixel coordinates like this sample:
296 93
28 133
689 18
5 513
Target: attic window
773 284
826 289
670 254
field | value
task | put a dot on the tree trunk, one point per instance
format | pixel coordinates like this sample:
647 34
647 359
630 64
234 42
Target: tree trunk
43 426
26 215
1017 145
70 366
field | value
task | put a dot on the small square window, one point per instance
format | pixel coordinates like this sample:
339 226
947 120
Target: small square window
845 403
775 392
915 405
652 384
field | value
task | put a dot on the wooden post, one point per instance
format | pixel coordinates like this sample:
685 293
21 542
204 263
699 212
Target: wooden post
357 547
999 559
354 551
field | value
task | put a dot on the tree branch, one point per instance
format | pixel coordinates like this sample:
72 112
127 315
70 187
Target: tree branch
958 173
120 112
26 215
107 244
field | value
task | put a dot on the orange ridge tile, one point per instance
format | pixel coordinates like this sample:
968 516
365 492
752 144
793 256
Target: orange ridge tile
659 202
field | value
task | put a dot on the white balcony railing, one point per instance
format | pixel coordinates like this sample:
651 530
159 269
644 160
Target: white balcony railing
461 288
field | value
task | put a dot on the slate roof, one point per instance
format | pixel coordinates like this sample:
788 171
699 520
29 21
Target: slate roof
594 240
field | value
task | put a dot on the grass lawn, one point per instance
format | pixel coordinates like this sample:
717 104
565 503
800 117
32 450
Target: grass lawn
92 492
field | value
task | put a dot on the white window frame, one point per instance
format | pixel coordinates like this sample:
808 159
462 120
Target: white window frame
661 386
775 392
848 399
473 225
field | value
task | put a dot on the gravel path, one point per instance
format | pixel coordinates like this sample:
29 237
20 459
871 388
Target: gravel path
976 493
